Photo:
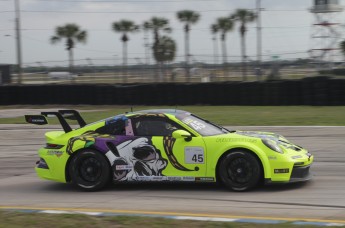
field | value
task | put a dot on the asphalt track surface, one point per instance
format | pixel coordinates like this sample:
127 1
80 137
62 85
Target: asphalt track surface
322 198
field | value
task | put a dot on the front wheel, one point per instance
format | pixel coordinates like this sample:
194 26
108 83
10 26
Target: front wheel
89 170
239 171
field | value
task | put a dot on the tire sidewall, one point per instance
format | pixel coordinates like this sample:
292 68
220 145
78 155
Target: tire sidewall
74 171
256 171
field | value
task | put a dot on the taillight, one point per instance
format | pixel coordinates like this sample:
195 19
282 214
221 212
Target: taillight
53 146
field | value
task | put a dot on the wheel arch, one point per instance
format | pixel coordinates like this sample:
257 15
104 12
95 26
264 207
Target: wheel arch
67 174
264 163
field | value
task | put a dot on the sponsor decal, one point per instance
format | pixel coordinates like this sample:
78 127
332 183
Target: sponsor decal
158 178
58 153
142 178
188 178
196 125
227 140
36 119
194 155
278 171
296 157
123 167
174 178
204 179
150 178
272 158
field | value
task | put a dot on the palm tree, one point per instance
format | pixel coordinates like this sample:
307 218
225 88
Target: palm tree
125 27
146 27
214 31
164 51
157 25
188 17
243 16
73 34
224 25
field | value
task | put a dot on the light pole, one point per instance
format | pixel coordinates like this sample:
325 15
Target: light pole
115 58
18 39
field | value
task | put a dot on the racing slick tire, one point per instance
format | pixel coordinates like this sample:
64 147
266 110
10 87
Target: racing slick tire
239 171
89 170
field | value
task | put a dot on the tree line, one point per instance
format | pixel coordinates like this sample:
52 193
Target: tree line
164 47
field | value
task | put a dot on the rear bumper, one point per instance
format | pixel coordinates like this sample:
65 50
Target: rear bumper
52 165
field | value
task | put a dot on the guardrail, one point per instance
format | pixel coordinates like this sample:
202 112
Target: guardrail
308 91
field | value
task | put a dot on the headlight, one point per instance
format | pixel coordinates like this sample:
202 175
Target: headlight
272 145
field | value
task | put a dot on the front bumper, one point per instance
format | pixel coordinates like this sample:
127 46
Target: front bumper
298 174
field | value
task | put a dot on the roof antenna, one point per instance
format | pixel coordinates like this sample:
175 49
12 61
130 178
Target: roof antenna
131 109
175 108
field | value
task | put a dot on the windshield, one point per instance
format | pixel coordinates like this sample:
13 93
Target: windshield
203 127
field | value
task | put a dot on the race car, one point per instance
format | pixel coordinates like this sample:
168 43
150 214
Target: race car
165 145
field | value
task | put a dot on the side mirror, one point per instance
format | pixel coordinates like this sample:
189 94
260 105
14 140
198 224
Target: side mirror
178 134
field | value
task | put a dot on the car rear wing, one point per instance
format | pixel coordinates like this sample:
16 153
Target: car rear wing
73 115
62 115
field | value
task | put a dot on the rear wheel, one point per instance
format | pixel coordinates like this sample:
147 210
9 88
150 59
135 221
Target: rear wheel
89 170
239 171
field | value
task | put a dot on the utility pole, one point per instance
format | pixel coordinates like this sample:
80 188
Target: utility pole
147 46
18 39
259 30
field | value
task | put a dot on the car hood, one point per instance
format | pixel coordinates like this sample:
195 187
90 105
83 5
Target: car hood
263 135
281 140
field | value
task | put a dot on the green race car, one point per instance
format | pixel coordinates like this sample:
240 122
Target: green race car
165 145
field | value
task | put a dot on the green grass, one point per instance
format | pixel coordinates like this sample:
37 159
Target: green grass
11 219
225 115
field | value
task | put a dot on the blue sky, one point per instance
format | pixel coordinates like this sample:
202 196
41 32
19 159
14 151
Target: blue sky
286 32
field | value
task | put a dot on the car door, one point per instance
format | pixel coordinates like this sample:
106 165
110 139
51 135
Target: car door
178 159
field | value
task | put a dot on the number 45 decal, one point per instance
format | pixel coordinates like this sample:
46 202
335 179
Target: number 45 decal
194 155
198 158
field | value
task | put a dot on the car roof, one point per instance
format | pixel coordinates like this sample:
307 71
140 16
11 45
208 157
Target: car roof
173 112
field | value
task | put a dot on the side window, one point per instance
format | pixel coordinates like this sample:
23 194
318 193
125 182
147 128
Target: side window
115 126
148 126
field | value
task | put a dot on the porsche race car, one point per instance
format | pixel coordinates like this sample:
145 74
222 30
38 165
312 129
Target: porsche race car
165 145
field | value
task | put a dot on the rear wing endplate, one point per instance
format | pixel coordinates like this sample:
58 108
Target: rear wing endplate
62 115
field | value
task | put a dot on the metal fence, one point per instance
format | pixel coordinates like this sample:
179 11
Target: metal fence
166 73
